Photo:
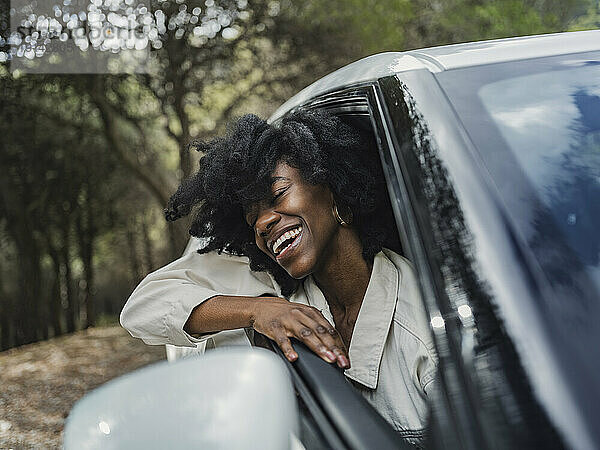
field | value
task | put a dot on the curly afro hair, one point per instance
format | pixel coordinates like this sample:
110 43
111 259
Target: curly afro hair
235 172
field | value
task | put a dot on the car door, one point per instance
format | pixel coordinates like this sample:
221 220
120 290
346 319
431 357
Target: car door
485 399
450 224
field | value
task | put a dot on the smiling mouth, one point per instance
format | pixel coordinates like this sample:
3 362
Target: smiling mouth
286 241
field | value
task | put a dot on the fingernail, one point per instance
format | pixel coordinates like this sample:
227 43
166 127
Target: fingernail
330 356
292 356
345 364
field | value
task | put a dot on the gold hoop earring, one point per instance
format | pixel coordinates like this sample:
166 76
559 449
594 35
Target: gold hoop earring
339 219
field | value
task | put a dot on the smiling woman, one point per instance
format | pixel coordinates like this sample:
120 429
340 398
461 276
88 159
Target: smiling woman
305 202
237 179
294 227
293 181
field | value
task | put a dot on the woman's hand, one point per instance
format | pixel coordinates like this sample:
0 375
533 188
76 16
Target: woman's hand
274 317
280 320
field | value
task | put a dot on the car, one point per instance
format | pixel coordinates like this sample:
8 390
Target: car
491 154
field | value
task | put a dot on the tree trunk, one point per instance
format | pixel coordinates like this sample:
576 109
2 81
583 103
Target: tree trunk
66 261
148 253
5 323
151 179
90 310
85 238
134 264
55 303
185 159
5 317
26 321
26 309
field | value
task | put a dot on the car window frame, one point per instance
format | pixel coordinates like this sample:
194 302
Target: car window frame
455 423
449 430
345 420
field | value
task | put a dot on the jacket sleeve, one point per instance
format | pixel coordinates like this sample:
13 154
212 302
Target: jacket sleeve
160 305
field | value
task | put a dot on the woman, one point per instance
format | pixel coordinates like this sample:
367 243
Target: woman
305 204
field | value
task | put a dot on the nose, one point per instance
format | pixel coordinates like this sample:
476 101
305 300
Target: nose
267 219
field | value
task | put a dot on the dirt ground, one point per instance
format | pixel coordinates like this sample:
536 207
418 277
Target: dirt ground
39 383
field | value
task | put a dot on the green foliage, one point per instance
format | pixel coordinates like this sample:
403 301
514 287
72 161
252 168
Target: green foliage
496 20
371 25
87 162
368 27
590 20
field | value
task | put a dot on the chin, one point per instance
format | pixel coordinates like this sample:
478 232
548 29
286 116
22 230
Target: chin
299 269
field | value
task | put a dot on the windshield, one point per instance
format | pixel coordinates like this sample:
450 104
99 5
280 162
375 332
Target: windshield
536 124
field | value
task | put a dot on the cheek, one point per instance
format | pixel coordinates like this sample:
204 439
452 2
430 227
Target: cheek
321 199
313 202
296 204
322 213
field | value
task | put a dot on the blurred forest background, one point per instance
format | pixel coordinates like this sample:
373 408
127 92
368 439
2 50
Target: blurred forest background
88 161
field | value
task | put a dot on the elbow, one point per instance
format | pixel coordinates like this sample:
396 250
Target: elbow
126 319
130 315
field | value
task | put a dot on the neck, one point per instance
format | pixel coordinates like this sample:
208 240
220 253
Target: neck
344 275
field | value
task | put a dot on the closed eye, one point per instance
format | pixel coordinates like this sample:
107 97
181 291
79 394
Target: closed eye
278 194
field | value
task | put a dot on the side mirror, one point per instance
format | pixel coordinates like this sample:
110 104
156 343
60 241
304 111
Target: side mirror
231 398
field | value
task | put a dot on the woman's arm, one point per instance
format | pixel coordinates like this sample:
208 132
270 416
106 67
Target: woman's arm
199 294
161 304
274 317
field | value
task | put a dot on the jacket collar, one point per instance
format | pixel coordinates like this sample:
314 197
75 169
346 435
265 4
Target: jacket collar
373 322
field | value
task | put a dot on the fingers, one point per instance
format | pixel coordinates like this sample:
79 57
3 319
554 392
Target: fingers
306 335
281 339
330 337
306 323
318 334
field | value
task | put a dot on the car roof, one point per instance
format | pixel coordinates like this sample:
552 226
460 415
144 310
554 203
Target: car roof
447 57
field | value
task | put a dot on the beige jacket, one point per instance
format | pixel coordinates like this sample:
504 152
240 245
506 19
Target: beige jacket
393 362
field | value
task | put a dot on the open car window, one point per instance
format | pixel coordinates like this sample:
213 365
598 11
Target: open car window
357 107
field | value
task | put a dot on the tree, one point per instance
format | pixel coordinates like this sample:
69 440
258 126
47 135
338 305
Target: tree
589 20
89 161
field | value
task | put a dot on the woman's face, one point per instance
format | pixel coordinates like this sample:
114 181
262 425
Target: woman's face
295 225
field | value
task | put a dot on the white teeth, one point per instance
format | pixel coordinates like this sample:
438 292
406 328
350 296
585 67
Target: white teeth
287 235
